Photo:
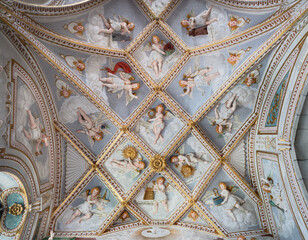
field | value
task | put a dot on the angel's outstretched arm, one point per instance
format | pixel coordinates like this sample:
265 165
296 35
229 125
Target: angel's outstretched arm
105 21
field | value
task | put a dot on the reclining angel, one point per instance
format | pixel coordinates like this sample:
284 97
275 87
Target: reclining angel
223 115
117 24
35 133
197 25
92 125
86 210
227 199
132 162
198 78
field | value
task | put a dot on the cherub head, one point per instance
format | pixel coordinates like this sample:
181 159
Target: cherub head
79 28
219 128
155 39
160 180
233 23
233 58
193 215
160 108
141 165
80 66
174 159
183 83
65 92
222 186
135 86
130 26
95 191
250 79
124 216
98 136
241 237
185 23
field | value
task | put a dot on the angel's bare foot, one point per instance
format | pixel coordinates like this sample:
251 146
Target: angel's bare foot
80 220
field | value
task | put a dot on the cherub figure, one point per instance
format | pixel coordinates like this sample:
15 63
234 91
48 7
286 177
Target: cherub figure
36 133
241 237
236 22
75 28
252 78
74 63
63 89
160 195
199 78
231 201
236 56
158 122
93 128
124 216
193 215
188 159
117 24
156 56
87 207
275 191
132 160
198 25
121 84
225 113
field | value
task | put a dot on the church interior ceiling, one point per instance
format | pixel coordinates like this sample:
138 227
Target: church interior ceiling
152 119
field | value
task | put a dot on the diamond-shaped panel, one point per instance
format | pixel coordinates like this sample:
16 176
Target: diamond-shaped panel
157 55
159 199
95 202
126 164
231 206
158 126
198 80
190 161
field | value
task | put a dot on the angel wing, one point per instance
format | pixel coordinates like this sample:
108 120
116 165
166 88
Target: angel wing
145 124
181 150
83 195
169 188
111 63
128 98
211 119
233 189
191 14
98 118
169 115
208 198
237 123
188 71
120 18
91 141
147 47
197 64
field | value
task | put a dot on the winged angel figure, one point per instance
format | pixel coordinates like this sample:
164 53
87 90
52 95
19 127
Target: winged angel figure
132 163
191 165
227 199
155 123
78 108
199 77
93 204
122 83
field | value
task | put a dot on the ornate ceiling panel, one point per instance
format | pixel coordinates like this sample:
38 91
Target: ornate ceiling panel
148 113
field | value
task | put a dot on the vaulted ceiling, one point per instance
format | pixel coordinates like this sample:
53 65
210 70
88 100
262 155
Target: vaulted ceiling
113 129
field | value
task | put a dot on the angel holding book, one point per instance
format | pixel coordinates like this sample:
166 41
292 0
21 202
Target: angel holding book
85 210
199 78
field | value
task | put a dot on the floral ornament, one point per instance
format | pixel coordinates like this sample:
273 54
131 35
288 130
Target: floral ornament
158 163
16 209
169 49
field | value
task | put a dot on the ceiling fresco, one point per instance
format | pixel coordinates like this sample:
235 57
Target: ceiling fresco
152 119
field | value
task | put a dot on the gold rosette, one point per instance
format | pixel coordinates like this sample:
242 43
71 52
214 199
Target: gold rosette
158 163
16 209
130 152
187 171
